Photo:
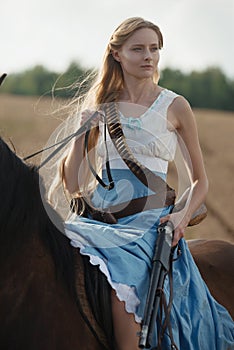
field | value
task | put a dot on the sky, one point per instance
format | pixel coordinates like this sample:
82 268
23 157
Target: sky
197 33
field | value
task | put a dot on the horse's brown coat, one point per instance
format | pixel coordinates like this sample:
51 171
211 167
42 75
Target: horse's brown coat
36 311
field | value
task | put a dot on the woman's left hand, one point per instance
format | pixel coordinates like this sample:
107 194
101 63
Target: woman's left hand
179 222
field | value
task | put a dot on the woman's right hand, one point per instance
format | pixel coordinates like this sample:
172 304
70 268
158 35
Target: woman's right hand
87 114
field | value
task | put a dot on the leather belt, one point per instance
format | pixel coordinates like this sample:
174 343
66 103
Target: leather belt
137 205
111 214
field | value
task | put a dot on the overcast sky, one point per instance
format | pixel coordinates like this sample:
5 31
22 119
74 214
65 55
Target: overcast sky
197 33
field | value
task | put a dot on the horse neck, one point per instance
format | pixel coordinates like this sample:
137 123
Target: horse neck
30 255
26 271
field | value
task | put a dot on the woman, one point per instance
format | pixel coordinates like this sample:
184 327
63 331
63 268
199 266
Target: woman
154 121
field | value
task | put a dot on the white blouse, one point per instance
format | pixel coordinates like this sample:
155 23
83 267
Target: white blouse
148 137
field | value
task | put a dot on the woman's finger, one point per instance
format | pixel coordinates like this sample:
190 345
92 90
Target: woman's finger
87 114
164 219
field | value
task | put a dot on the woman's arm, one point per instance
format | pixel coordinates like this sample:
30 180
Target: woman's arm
72 164
75 168
181 116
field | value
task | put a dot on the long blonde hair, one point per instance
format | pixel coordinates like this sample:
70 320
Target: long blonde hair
109 82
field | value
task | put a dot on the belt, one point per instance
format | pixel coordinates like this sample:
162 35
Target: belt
111 214
138 205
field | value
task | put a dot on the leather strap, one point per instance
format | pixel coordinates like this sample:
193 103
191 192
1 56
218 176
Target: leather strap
111 214
110 185
138 205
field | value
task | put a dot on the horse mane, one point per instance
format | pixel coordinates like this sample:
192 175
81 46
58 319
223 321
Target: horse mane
23 214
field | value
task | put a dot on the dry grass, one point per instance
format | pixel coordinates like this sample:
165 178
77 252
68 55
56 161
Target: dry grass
26 122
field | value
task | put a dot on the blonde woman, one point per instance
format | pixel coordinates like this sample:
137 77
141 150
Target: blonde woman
154 121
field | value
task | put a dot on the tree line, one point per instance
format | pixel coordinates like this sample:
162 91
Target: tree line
209 88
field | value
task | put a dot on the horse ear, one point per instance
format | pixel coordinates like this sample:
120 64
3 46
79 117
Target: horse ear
3 76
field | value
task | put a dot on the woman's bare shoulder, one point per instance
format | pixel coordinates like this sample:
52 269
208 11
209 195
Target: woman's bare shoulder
180 112
180 104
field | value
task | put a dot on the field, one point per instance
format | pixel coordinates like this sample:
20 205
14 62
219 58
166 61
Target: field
27 123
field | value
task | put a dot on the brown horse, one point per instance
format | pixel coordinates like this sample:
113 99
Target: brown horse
39 307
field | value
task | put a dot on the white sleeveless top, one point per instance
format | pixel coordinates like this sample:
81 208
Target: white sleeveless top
148 137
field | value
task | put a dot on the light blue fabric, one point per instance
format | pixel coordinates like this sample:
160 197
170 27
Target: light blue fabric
126 249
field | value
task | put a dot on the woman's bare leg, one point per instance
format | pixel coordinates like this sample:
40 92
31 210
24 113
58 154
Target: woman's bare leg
125 327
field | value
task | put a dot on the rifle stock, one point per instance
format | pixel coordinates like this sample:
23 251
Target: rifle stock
160 267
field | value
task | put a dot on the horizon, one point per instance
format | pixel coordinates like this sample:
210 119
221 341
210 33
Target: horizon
197 33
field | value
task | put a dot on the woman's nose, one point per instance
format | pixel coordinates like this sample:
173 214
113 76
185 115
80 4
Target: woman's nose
148 55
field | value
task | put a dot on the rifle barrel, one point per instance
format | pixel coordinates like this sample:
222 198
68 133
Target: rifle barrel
160 266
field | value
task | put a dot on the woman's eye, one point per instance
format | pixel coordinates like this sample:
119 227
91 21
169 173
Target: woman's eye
153 49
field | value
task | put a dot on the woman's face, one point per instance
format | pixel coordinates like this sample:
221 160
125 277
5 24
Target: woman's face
139 55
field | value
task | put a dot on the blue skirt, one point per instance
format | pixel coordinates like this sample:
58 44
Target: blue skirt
124 252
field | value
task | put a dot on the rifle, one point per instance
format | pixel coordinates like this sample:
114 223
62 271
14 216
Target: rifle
160 267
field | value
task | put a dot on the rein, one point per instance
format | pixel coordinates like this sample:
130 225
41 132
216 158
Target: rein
110 185
63 142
